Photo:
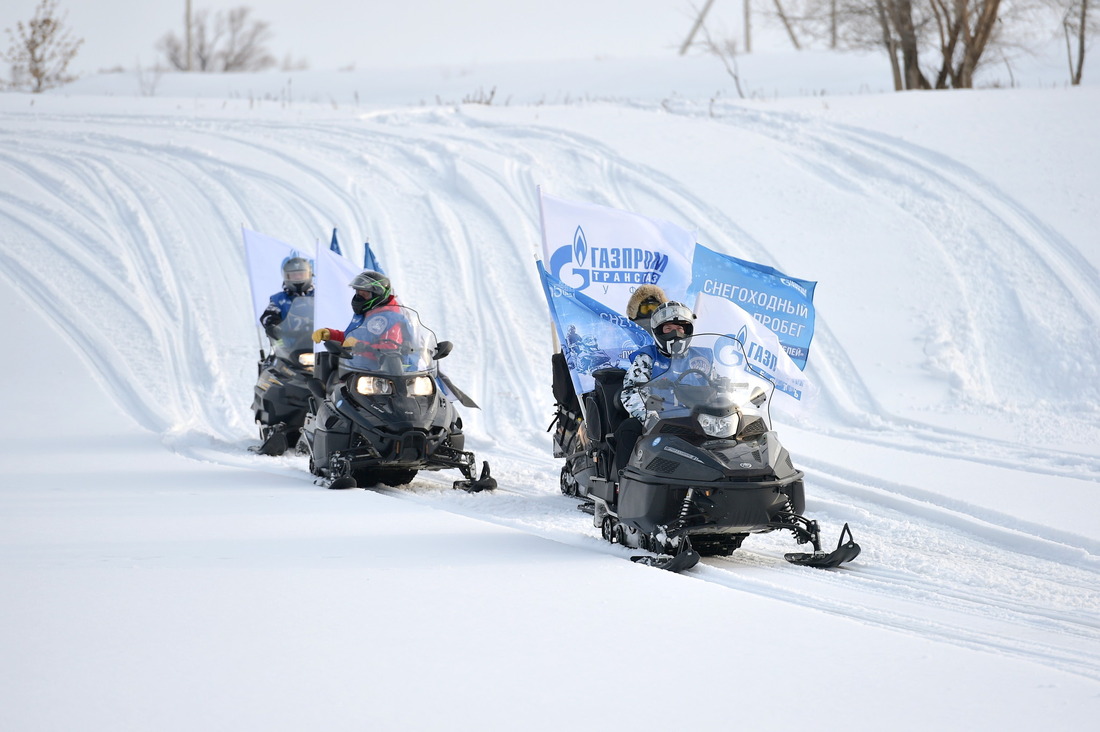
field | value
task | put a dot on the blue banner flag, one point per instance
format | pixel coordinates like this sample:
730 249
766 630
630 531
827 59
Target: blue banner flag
335 245
369 260
782 303
592 335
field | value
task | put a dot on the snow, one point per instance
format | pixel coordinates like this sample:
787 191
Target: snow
159 576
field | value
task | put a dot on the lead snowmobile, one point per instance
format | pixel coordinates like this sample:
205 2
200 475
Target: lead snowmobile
707 472
380 412
281 395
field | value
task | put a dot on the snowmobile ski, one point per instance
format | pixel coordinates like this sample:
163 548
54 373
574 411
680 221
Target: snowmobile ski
343 483
275 444
485 482
683 560
846 551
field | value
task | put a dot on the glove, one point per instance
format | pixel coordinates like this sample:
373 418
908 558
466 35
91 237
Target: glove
350 342
270 319
322 334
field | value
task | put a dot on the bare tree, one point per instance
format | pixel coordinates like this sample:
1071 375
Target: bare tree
1078 26
41 50
232 42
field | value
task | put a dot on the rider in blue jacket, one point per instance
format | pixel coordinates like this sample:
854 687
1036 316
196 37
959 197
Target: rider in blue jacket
672 328
297 282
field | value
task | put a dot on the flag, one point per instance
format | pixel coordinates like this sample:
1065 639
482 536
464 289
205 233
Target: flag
606 254
782 303
764 354
264 256
369 260
335 245
331 294
592 335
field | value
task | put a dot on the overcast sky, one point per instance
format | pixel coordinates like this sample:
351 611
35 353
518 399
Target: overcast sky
336 34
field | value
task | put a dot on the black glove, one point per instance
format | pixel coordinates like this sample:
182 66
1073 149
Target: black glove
270 319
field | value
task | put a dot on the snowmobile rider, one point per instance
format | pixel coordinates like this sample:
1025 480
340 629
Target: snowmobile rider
297 282
672 328
375 306
642 303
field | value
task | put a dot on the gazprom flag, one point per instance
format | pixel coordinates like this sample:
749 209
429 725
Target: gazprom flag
592 335
369 260
332 296
781 302
334 245
766 356
606 254
265 255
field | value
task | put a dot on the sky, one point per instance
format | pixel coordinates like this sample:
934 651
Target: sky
158 575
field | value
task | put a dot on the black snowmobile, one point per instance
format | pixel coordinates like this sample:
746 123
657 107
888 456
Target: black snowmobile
380 412
281 395
707 472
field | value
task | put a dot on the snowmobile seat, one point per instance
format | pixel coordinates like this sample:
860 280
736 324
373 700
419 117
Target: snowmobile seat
564 394
609 385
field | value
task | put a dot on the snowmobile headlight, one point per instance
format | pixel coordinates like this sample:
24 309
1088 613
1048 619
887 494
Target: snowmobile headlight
718 426
306 359
421 386
373 386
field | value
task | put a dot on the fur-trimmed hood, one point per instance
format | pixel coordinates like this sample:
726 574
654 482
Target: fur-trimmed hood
643 293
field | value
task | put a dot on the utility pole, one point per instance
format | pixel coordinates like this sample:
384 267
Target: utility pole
187 31
748 25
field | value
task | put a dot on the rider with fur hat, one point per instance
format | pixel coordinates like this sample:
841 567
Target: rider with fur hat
643 302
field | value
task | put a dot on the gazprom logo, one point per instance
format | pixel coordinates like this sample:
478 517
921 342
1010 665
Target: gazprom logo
605 265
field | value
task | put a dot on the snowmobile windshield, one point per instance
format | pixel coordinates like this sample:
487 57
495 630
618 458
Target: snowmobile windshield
714 381
391 341
291 339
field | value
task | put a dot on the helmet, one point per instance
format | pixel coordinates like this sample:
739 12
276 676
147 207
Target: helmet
674 343
372 289
297 274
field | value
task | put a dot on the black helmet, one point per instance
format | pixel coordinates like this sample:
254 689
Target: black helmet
371 290
673 343
297 274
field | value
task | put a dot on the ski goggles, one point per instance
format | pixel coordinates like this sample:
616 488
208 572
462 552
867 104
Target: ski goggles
647 307
374 293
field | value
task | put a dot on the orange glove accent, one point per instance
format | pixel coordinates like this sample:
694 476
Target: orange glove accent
321 334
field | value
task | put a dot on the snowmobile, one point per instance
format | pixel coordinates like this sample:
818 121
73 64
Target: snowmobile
707 472
281 395
381 412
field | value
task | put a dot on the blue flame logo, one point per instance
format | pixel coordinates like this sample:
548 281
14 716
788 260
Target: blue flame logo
580 247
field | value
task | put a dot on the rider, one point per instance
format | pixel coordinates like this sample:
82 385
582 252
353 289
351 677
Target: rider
376 311
672 329
642 303
297 282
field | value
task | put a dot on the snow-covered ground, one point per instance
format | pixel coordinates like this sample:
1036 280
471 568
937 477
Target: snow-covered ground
156 575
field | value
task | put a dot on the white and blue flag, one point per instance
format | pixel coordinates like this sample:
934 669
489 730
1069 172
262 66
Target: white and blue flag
782 303
764 354
606 254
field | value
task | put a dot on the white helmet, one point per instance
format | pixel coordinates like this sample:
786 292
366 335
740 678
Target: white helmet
676 341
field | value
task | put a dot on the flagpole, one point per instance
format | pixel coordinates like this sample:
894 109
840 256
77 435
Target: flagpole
542 227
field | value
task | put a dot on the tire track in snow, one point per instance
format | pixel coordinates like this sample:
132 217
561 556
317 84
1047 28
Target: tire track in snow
922 594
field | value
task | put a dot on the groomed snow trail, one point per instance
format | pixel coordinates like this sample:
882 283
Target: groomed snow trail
129 241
